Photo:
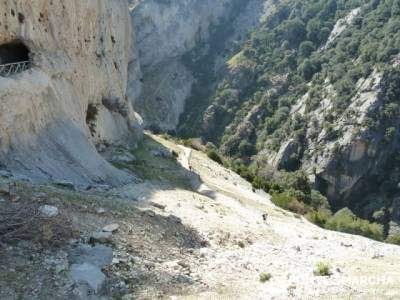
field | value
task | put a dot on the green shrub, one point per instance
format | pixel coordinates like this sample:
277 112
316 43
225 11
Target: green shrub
394 239
195 144
306 48
319 201
322 269
287 200
260 183
245 173
246 149
297 207
319 217
214 156
345 221
297 181
282 199
264 277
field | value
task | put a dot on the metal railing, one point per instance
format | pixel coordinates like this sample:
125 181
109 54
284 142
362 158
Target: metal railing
8 70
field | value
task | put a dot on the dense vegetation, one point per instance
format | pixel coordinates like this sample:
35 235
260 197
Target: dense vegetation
281 61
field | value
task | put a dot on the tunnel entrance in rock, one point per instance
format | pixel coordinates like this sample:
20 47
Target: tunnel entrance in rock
13 52
14 58
91 118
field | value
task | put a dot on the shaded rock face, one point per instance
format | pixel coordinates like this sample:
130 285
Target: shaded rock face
53 115
163 32
350 162
167 29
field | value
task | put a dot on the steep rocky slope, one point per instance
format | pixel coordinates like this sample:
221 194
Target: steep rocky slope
162 220
184 234
74 96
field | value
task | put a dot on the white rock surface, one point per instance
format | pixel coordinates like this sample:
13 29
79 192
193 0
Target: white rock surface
98 255
89 274
341 25
49 211
80 52
111 228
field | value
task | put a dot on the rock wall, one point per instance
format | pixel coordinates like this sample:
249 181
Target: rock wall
165 30
351 163
74 96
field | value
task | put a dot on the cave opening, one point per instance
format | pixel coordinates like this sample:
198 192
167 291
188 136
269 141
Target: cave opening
14 58
13 52
91 118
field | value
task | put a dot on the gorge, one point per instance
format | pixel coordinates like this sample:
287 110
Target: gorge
129 104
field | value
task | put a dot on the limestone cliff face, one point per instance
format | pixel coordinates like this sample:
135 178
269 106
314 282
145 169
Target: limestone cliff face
74 96
353 164
164 31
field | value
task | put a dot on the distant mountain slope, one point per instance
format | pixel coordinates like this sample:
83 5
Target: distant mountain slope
314 87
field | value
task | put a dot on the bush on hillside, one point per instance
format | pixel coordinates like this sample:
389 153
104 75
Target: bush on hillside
322 269
306 48
394 239
345 221
246 148
214 156
282 199
319 217
264 277
287 200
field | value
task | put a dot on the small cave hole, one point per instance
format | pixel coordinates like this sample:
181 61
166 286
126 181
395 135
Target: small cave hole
91 117
14 58
13 52
21 18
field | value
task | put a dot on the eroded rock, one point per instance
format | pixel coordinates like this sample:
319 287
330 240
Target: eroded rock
49 211
89 274
101 238
111 228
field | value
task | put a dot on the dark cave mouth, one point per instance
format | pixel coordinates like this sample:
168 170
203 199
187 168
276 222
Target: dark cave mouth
14 52
14 58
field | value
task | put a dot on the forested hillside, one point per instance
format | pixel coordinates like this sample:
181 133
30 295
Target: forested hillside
314 90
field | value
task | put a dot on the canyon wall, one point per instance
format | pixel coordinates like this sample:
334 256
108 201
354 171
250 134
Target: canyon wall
74 96
163 32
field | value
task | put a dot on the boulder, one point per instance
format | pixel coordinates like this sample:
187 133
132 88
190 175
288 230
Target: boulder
89 274
101 238
99 255
111 228
49 211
